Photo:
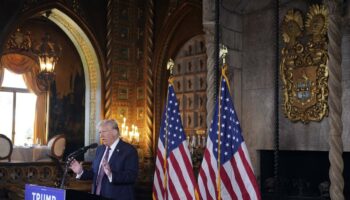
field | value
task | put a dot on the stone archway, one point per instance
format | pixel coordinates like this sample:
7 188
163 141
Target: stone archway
92 73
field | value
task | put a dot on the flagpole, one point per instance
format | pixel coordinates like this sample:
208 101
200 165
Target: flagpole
217 70
166 147
222 54
277 103
170 66
219 146
223 75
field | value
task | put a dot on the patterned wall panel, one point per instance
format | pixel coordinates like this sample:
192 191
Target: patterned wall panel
190 84
128 67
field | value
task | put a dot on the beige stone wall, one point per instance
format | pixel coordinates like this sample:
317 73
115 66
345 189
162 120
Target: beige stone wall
346 87
248 31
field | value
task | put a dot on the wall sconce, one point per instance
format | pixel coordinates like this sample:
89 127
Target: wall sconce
48 54
132 135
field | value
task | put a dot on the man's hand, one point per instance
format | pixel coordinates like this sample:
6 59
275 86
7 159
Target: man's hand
76 167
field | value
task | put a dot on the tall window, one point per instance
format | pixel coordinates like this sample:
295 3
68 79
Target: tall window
17 109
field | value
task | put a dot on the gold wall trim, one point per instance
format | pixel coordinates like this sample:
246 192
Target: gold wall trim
304 64
91 71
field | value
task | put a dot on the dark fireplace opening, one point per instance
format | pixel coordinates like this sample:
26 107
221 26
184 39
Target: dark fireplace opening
302 174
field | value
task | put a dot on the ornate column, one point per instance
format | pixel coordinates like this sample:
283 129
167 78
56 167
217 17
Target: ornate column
108 77
149 77
209 29
335 103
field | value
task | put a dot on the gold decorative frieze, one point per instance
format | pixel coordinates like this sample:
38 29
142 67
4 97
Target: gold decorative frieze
304 70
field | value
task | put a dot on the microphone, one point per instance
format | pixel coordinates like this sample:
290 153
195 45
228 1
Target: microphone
83 150
91 146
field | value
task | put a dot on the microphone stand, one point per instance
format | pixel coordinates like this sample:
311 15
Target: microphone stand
68 162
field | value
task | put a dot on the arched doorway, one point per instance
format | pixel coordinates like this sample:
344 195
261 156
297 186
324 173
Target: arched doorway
90 56
92 70
184 23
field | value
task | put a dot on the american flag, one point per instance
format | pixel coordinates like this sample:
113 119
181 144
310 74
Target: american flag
231 176
173 176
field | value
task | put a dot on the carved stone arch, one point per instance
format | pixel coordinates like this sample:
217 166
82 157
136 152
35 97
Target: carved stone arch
90 54
92 71
180 25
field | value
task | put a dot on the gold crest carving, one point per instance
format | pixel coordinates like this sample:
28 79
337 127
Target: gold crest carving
304 70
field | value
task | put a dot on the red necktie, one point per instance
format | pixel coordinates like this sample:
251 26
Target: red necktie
101 172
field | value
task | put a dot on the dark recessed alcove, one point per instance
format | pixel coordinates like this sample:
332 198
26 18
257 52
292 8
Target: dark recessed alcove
300 173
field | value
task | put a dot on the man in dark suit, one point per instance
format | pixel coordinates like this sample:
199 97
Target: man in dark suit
115 167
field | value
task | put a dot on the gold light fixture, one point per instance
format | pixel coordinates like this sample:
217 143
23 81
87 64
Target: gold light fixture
132 135
48 55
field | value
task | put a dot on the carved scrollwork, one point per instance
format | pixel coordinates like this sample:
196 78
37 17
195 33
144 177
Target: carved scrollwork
46 173
4 174
16 174
32 173
20 42
304 70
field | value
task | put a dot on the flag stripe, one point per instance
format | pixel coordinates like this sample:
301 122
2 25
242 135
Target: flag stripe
203 180
172 193
231 190
243 172
157 187
179 179
188 163
253 184
212 175
159 177
213 170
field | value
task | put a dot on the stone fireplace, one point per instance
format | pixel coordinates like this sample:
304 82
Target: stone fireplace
302 175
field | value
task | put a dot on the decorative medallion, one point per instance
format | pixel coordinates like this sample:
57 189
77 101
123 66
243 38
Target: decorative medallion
140 113
123 93
122 112
304 70
19 41
140 93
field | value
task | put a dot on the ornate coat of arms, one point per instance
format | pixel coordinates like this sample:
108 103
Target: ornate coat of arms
304 70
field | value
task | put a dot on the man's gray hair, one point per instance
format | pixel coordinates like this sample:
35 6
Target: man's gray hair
110 122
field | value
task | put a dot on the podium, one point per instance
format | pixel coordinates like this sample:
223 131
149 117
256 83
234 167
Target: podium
37 192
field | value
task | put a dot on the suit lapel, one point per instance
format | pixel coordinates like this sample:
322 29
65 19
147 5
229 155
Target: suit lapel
116 151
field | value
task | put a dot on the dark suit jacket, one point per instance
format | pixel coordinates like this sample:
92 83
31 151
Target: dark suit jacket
124 166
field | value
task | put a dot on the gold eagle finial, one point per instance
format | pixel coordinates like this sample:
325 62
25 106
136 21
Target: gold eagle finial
170 66
222 54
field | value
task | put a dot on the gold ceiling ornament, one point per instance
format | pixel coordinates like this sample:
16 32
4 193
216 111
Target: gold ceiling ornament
20 42
304 70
